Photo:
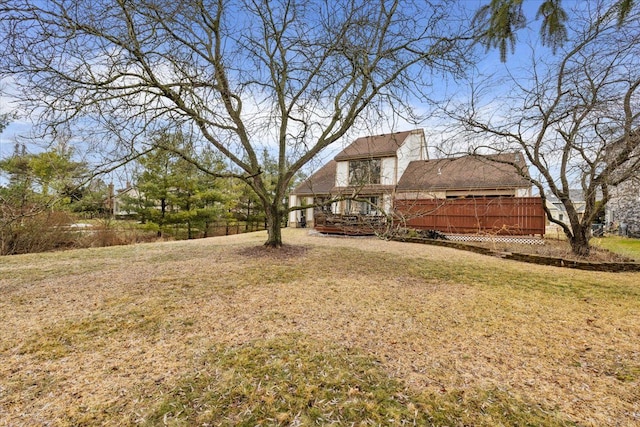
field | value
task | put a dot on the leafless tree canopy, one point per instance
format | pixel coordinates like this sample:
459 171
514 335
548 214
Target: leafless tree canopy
291 75
574 115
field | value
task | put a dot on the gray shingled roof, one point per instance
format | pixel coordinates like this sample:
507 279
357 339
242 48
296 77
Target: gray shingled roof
321 182
374 146
467 172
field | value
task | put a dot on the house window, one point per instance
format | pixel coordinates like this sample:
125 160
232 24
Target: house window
560 217
363 172
363 206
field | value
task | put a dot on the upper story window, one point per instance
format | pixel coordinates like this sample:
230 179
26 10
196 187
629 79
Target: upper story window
363 172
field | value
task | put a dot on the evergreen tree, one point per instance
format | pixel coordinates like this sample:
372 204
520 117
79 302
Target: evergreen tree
171 191
18 195
37 185
91 199
498 22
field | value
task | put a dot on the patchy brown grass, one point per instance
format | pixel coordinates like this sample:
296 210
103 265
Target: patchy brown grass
329 331
561 249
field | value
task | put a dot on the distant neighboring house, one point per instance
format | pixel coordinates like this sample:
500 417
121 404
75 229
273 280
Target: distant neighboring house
121 200
382 174
557 209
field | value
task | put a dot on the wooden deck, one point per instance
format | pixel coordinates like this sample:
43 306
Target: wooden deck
350 225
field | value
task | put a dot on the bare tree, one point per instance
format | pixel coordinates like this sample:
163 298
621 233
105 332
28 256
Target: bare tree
575 118
293 76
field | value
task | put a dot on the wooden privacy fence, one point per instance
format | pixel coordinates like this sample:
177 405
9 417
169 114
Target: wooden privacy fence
496 215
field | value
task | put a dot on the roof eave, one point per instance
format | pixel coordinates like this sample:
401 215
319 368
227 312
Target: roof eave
366 156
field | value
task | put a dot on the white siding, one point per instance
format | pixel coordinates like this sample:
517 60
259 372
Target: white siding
413 148
342 174
309 212
293 215
417 195
387 171
387 203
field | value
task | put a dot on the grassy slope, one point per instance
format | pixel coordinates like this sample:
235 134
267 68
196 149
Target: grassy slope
330 331
624 246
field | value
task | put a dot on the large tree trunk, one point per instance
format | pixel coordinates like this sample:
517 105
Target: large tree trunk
274 215
580 241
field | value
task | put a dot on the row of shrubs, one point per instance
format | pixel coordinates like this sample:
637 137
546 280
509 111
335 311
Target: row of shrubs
51 231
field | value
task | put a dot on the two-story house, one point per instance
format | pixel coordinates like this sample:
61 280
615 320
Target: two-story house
391 176
361 179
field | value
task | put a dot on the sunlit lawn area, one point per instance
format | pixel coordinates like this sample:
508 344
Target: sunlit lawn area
328 331
628 247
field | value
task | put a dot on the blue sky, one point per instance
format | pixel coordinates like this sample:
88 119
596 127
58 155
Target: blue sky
489 64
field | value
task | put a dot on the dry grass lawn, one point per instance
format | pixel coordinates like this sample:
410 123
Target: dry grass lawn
328 331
